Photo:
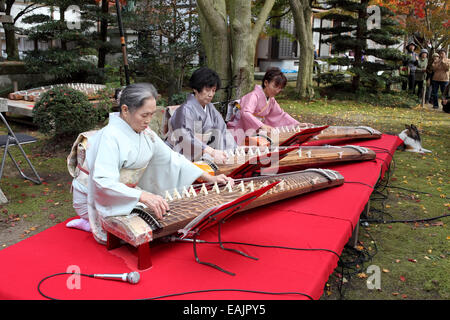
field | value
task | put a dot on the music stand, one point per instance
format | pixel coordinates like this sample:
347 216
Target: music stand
302 136
219 215
12 139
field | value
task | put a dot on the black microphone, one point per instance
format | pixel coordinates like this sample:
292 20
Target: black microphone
132 277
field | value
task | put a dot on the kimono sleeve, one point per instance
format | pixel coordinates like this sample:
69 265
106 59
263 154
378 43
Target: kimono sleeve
168 170
184 124
249 103
110 196
278 117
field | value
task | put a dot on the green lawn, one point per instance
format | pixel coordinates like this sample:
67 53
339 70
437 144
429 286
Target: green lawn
413 257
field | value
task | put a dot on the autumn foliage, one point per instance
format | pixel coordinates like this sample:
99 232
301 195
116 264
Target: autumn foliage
427 20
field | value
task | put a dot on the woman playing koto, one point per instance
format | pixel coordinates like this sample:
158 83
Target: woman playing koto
197 129
128 163
259 111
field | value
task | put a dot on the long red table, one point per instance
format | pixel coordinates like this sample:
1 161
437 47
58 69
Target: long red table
321 220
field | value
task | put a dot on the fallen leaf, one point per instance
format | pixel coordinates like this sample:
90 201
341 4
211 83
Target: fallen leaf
402 278
412 260
386 270
395 293
361 275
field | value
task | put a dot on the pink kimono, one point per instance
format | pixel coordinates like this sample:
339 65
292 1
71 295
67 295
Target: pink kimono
256 111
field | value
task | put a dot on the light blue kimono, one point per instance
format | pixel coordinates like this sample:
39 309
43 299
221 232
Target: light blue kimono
117 147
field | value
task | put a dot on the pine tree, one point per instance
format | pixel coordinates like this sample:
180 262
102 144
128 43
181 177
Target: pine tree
350 33
65 59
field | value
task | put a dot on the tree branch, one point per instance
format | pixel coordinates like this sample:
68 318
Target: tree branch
261 20
211 15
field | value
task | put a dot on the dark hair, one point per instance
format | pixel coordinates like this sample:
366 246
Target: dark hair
275 74
204 78
135 95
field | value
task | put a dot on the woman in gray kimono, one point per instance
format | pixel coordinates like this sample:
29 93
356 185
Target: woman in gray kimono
197 129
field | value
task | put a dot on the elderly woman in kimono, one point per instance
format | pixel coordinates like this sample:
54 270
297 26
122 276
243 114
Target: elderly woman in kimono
197 129
128 163
259 111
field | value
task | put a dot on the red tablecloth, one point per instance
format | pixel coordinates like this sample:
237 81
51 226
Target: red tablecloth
324 219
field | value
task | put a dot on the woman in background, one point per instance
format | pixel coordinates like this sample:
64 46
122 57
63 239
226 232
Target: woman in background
259 111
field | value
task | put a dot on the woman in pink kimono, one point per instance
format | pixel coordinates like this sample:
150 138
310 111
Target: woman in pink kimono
259 110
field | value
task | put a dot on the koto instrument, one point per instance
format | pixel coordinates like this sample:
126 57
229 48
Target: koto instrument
141 226
298 158
286 136
91 90
348 132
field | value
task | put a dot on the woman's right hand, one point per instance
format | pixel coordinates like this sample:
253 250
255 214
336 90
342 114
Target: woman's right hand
155 202
266 128
219 156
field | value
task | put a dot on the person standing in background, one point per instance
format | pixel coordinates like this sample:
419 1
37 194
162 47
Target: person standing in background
420 74
440 78
411 64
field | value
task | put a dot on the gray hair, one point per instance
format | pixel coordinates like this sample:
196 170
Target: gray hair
135 95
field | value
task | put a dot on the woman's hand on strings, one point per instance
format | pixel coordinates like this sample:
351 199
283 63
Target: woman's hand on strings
219 156
155 202
220 179
266 128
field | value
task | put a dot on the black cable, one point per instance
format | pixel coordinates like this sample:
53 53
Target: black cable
226 290
271 246
405 221
359 182
354 266
172 294
58 274
416 191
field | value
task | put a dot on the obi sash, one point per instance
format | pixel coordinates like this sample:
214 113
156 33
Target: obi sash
77 166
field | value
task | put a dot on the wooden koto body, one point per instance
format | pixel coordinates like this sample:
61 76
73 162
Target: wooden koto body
282 136
348 132
91 90
301 157
187 204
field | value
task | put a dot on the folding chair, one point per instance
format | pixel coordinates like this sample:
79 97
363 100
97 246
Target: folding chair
12 139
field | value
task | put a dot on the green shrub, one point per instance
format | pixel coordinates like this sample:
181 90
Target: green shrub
64 112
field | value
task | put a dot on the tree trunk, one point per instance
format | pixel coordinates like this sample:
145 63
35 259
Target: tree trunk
214 35
62 18
243 50
360 34
103 35
230 50
302 13
12 49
